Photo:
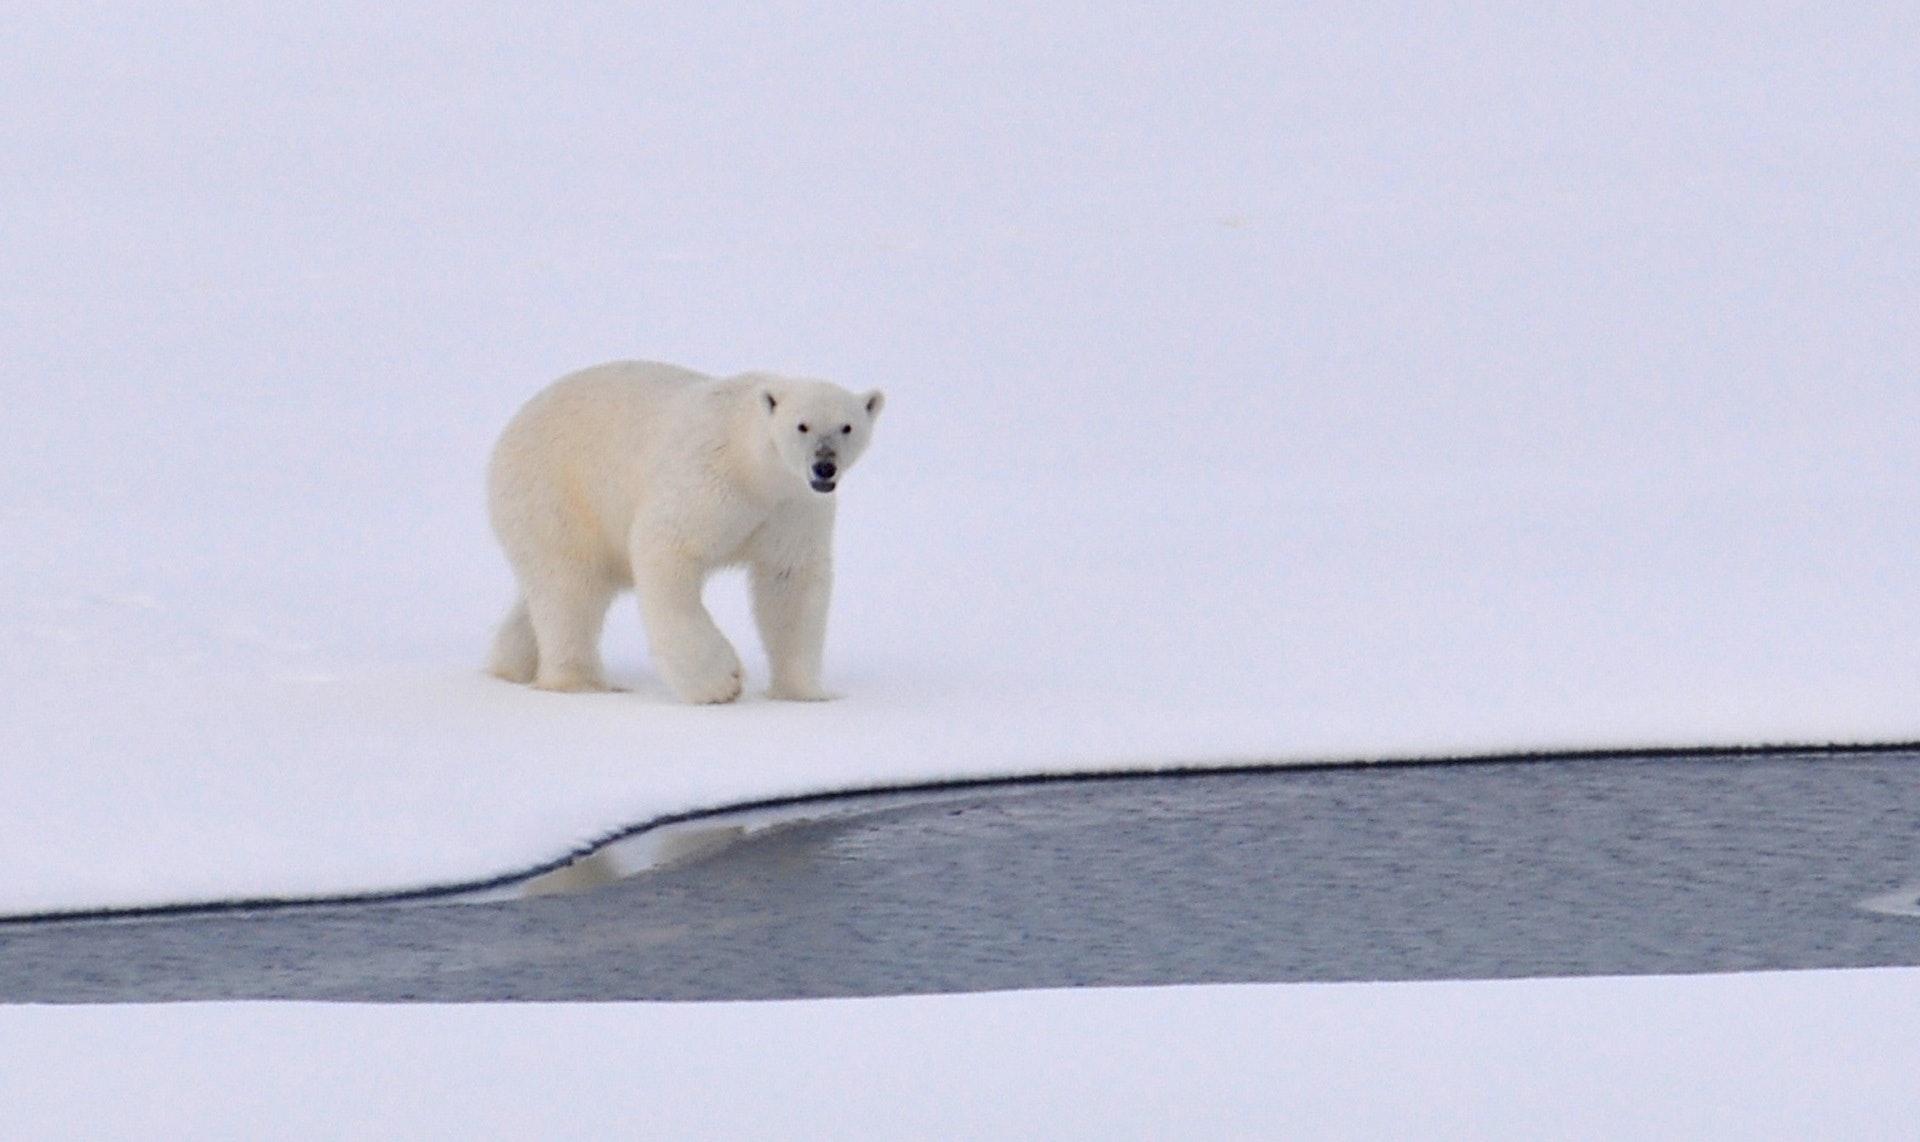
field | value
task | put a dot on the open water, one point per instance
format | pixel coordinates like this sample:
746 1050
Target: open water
1572 867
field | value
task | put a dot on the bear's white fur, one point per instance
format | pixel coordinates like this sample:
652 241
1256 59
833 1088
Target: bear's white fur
650 476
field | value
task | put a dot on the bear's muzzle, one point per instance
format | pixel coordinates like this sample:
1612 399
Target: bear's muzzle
824 472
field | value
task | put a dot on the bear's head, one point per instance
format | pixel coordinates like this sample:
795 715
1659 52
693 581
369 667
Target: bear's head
818 429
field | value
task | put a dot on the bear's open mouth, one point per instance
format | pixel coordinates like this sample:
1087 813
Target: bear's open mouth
822 485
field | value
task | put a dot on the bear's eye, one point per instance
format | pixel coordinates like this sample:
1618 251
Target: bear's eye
803 428
846 430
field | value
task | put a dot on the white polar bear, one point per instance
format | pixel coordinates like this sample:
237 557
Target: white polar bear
650 476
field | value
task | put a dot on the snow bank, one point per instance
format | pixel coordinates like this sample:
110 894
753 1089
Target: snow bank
1264 385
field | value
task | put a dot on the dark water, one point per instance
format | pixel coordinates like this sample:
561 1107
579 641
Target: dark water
1456 871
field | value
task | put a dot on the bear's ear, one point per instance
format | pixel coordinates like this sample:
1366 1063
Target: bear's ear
767 398
876 400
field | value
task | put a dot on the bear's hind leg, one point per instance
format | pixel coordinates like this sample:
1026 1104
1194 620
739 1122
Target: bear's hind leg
516 656
566 615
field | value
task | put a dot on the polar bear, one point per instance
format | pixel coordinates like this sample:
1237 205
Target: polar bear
650 476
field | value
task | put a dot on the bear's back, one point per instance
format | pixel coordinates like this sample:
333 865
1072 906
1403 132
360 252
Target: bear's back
602 411
574 455
637 390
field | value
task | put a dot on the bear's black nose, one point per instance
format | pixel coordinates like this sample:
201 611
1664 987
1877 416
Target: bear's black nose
825 469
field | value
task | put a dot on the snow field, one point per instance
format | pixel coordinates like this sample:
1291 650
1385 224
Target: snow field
1794 1055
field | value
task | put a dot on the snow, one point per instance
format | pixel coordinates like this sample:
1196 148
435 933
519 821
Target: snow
1806 1055
1264 385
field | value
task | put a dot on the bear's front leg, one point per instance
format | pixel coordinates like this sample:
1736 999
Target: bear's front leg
790 607
689 650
